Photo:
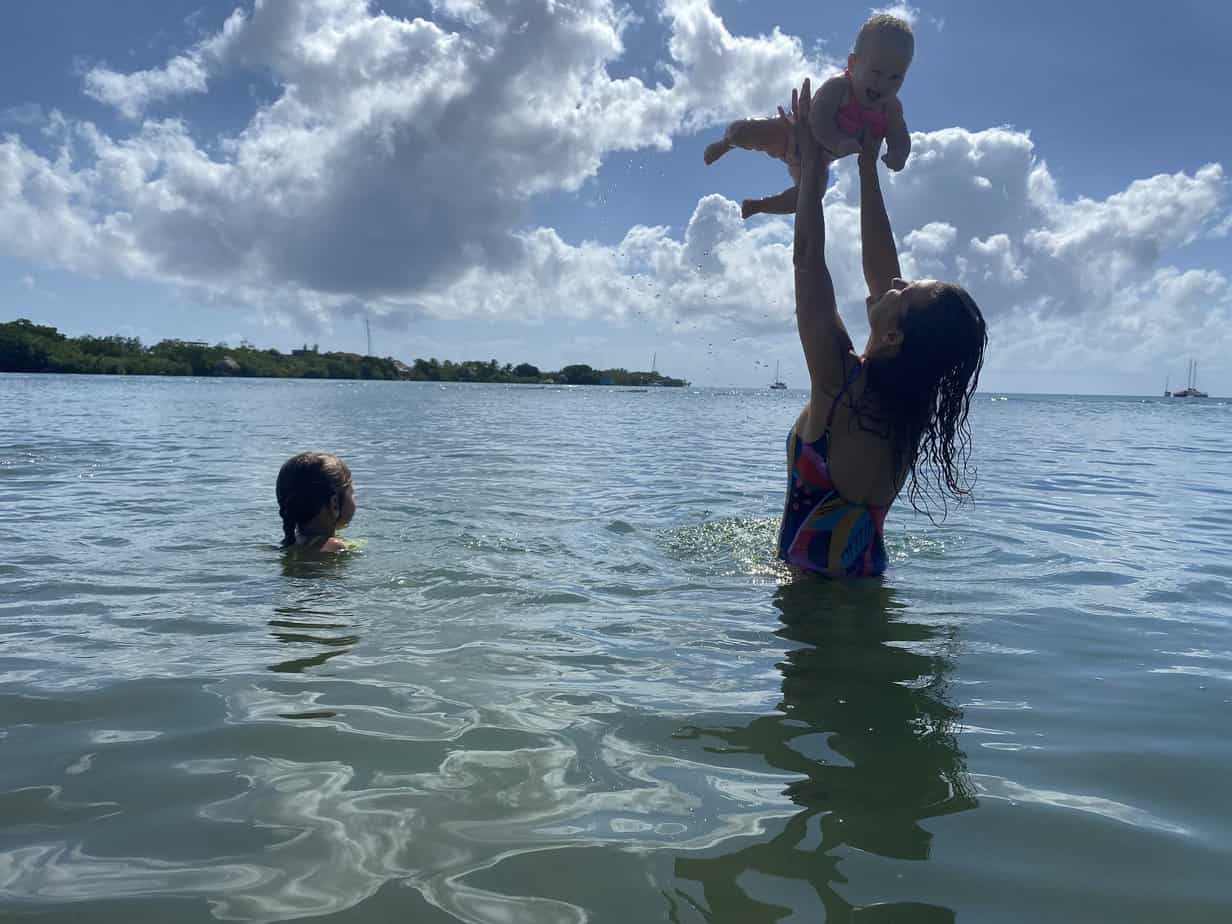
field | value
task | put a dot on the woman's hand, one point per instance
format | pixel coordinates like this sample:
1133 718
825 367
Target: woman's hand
797 122
870 149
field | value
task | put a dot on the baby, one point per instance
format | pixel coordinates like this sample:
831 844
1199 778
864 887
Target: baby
864 98
315 499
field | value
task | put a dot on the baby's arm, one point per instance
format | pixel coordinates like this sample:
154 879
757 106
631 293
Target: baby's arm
824 119
898 139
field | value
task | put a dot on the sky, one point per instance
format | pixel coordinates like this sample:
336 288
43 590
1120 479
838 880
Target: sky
522 179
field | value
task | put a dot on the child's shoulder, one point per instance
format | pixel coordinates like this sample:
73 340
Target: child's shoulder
834 84
833 91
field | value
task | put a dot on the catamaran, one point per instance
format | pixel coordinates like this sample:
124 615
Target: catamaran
1191 388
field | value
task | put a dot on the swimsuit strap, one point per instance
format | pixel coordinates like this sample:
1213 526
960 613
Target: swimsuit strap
856 116
852 376
852 108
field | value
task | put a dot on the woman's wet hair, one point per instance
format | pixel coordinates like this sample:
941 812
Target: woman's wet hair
306 483
923 395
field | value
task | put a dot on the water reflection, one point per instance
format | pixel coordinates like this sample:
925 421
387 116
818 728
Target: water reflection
309 622
866 723
307 564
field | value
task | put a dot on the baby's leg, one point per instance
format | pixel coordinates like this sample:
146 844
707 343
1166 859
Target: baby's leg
768 135
782 204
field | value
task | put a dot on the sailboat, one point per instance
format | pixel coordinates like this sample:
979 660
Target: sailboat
655 380
778 384
1191 388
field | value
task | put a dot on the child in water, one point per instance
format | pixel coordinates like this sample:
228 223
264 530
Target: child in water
863 98
315 499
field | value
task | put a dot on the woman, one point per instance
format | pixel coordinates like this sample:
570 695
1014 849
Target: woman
871 420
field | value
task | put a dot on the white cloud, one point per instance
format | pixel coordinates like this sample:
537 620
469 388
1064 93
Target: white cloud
393 167
712 276
934 238
719 76
925 249
903 11
999 262
22 114
467 10
397 155
913 15
1075 283
132 93
1130 229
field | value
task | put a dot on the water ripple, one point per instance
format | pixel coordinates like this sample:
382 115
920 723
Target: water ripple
566 680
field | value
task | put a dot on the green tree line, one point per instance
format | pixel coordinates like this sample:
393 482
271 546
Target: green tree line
28 347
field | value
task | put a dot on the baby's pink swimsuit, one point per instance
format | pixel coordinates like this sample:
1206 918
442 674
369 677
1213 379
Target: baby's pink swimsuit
852 119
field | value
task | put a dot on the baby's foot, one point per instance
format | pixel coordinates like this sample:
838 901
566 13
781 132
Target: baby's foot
749 208
716 149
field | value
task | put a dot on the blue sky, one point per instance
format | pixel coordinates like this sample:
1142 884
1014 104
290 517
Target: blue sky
522 180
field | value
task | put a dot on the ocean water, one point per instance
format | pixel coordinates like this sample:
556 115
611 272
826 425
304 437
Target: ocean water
564 680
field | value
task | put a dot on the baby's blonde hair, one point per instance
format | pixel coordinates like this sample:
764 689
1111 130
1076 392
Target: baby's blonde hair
884 22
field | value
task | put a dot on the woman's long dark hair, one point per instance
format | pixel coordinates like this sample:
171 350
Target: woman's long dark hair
306 483
923 395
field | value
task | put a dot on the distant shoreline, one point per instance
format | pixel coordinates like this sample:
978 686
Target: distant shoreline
306 378
32 348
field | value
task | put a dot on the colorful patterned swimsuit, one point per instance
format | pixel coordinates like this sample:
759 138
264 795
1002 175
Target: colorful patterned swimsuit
821 530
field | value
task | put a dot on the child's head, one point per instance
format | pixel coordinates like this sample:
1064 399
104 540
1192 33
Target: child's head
315 495
879 63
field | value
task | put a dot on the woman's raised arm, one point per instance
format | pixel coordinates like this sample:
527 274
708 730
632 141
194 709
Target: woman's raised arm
822 334
880 255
